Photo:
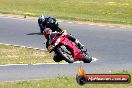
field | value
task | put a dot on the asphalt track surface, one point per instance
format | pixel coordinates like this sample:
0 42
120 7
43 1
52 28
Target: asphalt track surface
111 46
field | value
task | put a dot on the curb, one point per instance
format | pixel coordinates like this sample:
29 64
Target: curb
77 62
23 46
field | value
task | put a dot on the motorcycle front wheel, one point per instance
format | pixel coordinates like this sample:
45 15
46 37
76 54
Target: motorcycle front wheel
66 54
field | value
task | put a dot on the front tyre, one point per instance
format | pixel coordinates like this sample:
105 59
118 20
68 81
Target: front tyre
66 54
56 59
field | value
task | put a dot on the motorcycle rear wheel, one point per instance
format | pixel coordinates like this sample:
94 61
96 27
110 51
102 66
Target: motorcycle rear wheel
87 59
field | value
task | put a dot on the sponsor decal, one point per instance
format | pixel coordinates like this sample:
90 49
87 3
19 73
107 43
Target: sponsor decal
83 78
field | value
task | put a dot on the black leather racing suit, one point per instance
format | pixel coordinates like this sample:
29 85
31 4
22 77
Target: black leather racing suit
46 24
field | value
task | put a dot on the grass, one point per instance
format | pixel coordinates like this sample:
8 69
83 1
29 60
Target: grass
59 82
17 55
111 11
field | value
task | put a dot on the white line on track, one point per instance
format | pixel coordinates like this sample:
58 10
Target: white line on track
92 24
13 65
23 46
16 45
70 22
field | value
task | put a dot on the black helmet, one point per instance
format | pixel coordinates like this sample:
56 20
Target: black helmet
52 22
42 18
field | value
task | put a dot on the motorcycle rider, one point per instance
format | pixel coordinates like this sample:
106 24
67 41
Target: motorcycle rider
48 32
48 22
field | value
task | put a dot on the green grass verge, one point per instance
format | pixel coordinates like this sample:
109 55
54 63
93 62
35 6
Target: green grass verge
59 82
112 11
17 55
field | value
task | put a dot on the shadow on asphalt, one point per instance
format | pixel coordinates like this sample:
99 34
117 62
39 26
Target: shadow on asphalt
34 34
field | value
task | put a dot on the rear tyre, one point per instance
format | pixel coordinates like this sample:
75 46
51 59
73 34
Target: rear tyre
66 54
87 59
